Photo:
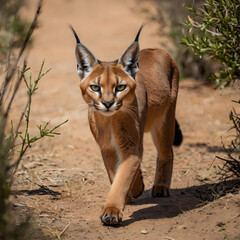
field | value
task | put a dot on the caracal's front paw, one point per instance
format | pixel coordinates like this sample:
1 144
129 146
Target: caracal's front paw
111 216
160 191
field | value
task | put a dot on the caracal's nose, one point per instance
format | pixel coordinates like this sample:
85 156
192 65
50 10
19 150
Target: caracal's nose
108 104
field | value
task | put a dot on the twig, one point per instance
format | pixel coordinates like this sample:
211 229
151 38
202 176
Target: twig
169 238
24 69
198 25
64 230
231 166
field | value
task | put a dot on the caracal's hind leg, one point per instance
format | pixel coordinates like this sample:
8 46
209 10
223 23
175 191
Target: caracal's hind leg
163 136
138 185
110 161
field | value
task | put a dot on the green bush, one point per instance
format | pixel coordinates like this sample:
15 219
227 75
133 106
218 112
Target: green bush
214 30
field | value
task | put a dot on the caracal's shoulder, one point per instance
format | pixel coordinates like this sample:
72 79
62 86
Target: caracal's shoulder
153 52
152 56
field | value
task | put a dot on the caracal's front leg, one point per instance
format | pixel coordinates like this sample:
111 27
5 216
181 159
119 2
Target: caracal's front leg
113 209
111 159
109 156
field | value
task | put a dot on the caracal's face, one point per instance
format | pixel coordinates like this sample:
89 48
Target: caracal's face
108 88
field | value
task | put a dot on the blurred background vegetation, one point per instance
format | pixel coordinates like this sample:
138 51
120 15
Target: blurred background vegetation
13 28
213 30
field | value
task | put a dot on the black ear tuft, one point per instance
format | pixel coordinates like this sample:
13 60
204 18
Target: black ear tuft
139 31
129 58
74 33
85 59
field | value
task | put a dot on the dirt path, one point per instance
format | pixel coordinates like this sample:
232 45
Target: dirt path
71 164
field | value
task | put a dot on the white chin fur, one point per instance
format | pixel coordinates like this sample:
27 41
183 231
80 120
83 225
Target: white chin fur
107 113
104 110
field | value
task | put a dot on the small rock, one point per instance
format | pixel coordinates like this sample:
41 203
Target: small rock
51 155
53 164
144 231
70 146
208 100
19 205
181 227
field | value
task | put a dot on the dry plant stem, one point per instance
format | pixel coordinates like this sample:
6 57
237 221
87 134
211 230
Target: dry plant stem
9 54
64 230
231 166
25 144
29 97
24 69
26 140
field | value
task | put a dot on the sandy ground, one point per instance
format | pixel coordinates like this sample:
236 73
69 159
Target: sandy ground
71 163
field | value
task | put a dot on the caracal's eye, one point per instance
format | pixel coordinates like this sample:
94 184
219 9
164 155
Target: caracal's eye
95 88
120 88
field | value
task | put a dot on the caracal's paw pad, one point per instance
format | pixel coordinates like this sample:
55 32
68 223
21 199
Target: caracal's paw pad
111 216
160 191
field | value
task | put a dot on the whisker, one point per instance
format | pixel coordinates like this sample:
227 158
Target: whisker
130 112
89 107
93 108
132 107
84 109
84 104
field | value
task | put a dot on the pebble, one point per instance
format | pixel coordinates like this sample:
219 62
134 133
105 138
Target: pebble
19 205
70 146
144 231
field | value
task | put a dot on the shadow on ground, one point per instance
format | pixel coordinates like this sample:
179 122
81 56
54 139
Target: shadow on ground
212 149
181 200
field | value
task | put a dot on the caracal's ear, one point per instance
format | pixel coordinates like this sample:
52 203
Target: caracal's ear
85 59
129 59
